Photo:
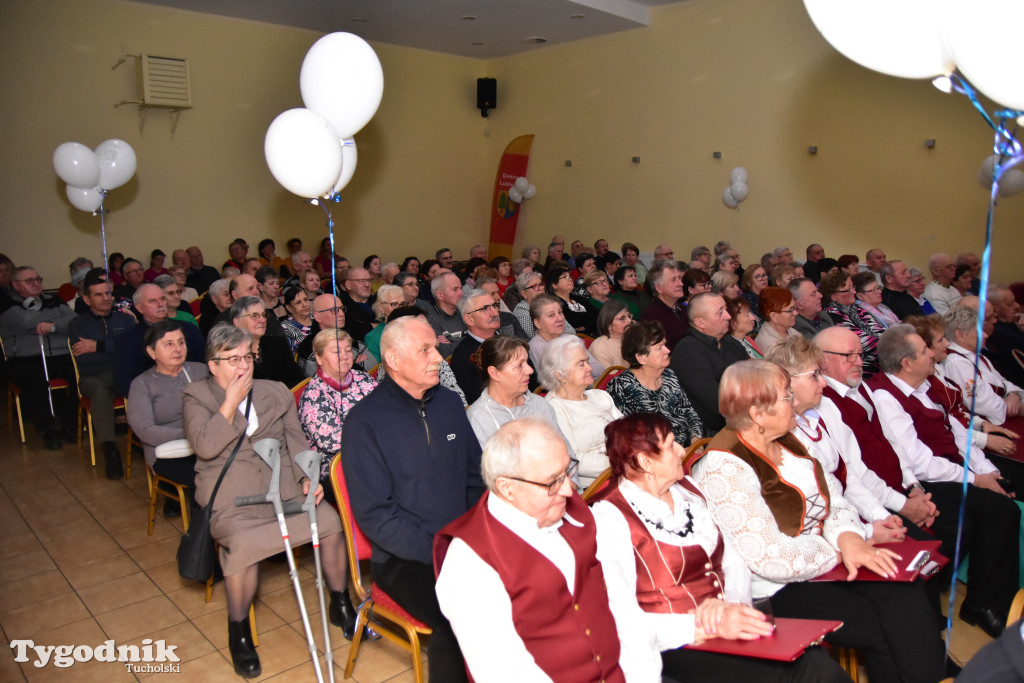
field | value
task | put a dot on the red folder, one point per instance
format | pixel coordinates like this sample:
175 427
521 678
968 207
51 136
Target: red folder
907 570
790 639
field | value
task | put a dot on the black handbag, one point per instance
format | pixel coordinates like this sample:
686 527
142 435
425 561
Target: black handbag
196 551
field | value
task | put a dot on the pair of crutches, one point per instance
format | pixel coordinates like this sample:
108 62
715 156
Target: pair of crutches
309 462
46 373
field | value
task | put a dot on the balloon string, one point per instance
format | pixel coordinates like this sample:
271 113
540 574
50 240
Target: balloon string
1010 154
103 235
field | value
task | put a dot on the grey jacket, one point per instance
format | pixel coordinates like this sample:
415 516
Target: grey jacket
807 328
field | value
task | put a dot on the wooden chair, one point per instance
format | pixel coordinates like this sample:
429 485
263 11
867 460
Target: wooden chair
85 409
373 601
179 493
597 485
194 304
608 375
1016 608
299 388
587 339
691 452
374 370
14 398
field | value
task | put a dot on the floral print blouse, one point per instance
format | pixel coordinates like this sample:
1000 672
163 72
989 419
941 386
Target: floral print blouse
322 410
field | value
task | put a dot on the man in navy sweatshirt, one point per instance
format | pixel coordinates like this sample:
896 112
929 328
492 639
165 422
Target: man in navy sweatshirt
412 465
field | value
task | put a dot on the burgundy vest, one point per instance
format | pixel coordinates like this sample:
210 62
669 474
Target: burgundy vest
670 579
931 424
947 395
572 637
875 450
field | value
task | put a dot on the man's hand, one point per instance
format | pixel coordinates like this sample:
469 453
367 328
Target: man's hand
45 328
989 481
919 507
83 346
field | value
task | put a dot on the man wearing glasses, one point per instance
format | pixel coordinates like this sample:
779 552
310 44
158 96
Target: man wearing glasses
480 313
519 578
358 301
26 317
327 312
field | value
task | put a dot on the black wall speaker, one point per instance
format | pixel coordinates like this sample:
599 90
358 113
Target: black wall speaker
486 94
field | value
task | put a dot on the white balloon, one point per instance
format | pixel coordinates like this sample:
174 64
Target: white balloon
86 199
303 152
522 184
738 175
342 80
739 191
531 192
514 194
729 200
348 165
988 60
987 169
1011 183
117 162
76 165
896 37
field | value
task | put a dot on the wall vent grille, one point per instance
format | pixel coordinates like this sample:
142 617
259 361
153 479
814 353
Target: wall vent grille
164 82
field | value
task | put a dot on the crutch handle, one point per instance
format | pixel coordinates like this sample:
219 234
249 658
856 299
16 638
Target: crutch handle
293 507
251 500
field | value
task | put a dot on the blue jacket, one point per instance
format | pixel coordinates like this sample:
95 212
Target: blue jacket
411 467
131 358
88 325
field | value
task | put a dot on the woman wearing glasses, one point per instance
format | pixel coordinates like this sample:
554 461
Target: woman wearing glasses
274 357
779 314
389 298
531 285
869 298
837 289
612 322
788 520
217 416
176 310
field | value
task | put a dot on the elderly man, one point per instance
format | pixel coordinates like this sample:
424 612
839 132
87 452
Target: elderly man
556 252
274 359
782 256
665 284
810 319
897 418
129 350
974 263
600 247
703 354
895 282
245 286
134 274
92 337
874 259
479 311
358 298
217 300
26 317
663 252
412 465
519 578
814 252
327 312
1007 335
940 291
444 258
444 316
200 276
237 250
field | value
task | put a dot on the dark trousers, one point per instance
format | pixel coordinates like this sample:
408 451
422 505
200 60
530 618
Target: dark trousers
890 623
27 373
814 666
99 389
411 584
991 536
178 470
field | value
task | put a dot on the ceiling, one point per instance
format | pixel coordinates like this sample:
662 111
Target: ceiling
471 28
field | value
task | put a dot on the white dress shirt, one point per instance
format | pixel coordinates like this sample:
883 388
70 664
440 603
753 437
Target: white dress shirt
978 437
477 604
988 404
615 550
899 428
941 298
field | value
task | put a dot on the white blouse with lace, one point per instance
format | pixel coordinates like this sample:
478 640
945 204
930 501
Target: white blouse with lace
733 494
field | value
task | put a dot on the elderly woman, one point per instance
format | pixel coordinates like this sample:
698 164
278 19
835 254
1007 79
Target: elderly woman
788 521
298 322
268 282
696 281
176 309
627 290
916 290
741 323
505 372
530 286
596 285
309 280
532 253
612 322
651 386
582 413
658 541
837 289
726 285
328 397
755 279
227 409
783 274
154 406
558 283
389 298
548 320
274 358
779 314
849 264
180 275
869 298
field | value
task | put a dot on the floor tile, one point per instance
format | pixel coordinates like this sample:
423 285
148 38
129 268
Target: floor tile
117 593
43 615
28 564
100 570
140 618
74 552
279 650
15 594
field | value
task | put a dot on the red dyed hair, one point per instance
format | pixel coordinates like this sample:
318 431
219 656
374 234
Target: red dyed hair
634 434
746 384
772 300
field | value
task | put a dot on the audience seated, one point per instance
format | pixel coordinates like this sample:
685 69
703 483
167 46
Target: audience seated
559 284
628 289
869 299
274 359
940 292
896 279
665 283
612 322
741 324
444 317
837 290
299 321
779 314
480 313
810 319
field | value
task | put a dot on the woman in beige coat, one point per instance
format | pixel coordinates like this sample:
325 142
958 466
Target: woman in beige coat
214 419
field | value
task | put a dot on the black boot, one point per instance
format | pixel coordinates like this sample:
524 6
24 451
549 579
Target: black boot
243 652
115 469
342 613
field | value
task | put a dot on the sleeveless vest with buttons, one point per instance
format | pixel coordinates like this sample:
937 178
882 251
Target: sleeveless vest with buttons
931 424
572 637
875 450
670 579
949 397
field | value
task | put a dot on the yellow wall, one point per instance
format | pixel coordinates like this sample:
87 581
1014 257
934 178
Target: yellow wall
749 78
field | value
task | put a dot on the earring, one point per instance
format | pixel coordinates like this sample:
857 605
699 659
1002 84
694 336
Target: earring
760 429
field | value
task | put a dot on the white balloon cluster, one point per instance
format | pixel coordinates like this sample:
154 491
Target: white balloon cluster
312 151
90 174
521 189
737 190
1011 183
929 38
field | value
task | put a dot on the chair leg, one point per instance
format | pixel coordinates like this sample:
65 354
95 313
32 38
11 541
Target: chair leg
92 441
128 455
252 625
417 658
363 617
153 491
21 423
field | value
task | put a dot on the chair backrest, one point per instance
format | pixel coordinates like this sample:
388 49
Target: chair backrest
299 388
196 303
608 375
587 339
1016 608
374 370
357 544
692 451
597 485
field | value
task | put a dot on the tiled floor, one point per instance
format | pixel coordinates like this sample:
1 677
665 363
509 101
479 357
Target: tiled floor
77 567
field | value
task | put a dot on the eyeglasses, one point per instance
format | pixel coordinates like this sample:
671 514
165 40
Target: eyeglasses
488 307
761 276
624 317
233 361
788 396
174 291
553 486
869 291
852 357
34 280
665 254
787 311
706 286
842 291
132 271
363 280
254 316
332 310
412 283
392 304
536 286
816 373
565 275
599 282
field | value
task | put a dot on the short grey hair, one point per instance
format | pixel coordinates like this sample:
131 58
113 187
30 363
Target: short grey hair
656 274
894 346
722 258
520 265
935 259
163 281
503 452
555 361
219 287
779 251
137 295
959 318
523 280
721 280
915 273
721 247
439 279
402 277
240 305
396 334
795 283
383 293
463 304
224 337
699 251
887 269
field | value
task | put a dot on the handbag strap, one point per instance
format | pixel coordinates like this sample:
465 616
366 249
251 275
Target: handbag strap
238 444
